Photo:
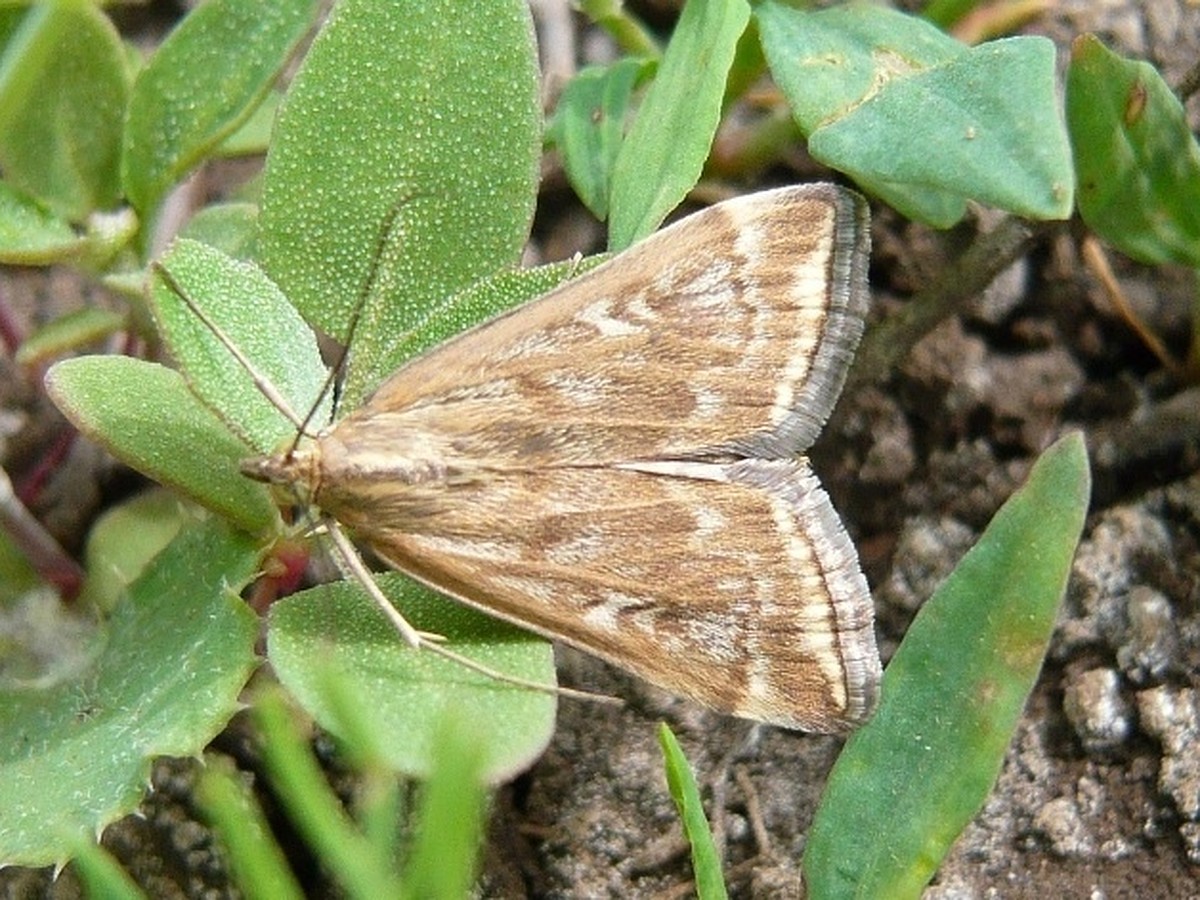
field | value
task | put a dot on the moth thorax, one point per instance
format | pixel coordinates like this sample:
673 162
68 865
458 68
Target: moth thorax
297 467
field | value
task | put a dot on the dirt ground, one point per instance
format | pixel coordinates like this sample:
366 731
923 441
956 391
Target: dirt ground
1099 796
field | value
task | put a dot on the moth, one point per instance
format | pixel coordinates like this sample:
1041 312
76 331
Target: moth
618 464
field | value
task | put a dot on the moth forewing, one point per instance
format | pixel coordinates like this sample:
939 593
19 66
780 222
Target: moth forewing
614 465
697 341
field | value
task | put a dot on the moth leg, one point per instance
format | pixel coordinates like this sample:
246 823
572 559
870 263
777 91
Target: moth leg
358 569
433 642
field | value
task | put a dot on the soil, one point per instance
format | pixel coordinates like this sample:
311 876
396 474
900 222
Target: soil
1099 796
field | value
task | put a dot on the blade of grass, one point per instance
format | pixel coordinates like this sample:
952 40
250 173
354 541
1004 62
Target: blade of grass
665 149
315 810
101 875
451 818
710 884
908 782
259 866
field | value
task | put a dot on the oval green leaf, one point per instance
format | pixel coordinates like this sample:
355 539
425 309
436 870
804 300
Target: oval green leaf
1137 159
145 416
403 166
202 83
248 309
61 113
336 630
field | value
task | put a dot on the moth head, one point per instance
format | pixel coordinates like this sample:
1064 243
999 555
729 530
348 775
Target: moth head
296 469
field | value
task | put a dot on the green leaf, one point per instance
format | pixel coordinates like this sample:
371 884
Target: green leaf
145 416
1137 159
70 332
669 141
451 816
125 540
30 235
100 874
945 13
61 113
484 300
202 83
630 34
241 301
748 67
865 49
403 166
253 137
918 119
909 781
231 228
336 629
76 755
710 884
589 126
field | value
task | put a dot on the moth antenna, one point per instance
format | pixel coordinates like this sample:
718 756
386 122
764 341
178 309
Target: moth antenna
264 384
365 290
327 387
420 640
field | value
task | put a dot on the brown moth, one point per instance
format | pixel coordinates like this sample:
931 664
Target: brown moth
617 465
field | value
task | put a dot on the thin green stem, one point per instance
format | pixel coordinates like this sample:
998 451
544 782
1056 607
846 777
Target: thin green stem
631 35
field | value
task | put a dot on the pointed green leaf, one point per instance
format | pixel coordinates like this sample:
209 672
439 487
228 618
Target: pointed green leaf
589 126
710 883
1138 161
910 780
76 755
920 120
669 141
